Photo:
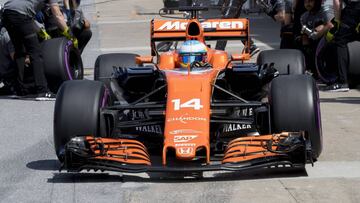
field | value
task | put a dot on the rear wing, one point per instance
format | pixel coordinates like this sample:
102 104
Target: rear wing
212 29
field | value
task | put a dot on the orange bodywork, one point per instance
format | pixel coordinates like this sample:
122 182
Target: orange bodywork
169 60
248 148
119 150
188 107
212 29
186 140
189 93
165 29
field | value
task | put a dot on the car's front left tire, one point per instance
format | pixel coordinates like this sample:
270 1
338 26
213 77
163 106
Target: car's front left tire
77 111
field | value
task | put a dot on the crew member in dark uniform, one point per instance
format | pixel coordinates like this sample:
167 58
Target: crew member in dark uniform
232 9
18 19
78 24
315 23
281 11
7 63
347 24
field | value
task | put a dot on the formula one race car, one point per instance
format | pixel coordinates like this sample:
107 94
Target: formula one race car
219 113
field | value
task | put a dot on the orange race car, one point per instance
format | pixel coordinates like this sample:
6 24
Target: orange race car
192 108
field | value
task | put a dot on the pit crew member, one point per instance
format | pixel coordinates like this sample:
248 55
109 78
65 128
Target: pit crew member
18 19
315 23
346 29
7 65
232 9
80 26
281 11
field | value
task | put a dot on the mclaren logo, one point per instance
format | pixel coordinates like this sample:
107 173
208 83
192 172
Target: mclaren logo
184 138
177 25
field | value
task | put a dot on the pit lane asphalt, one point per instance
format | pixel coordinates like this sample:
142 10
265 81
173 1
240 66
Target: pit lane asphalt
29 169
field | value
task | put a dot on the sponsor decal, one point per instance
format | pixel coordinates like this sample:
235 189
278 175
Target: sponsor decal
150 129
185 145
184 131
185 150
246 112
137 115
184 119
177 25
184 138
235 127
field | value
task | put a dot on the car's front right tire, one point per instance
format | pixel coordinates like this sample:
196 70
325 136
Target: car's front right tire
295 106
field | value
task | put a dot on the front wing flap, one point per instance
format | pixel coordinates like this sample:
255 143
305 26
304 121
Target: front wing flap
245 153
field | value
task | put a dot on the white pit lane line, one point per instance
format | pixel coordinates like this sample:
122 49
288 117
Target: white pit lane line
334 169
321 169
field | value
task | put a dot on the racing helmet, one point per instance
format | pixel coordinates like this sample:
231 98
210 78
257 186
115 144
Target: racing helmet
191 51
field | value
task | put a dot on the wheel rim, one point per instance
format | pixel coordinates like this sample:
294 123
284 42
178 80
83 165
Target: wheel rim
73 64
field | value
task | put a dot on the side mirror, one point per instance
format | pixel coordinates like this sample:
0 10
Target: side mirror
140 60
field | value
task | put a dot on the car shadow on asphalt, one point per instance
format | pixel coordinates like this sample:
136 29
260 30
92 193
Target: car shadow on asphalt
44 165
93 177
99 177
345 100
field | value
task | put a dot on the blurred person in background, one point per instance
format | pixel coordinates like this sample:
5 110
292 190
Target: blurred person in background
232 9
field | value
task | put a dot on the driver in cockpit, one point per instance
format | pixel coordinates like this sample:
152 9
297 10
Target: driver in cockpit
193 54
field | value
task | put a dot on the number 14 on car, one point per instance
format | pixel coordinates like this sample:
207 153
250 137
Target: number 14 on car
192 103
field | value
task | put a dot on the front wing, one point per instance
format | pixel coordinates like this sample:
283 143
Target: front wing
291 149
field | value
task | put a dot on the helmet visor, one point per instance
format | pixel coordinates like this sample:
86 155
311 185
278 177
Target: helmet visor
188 59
